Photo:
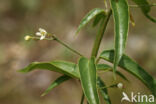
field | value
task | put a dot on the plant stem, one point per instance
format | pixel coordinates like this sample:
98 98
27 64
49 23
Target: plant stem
136 6
97 61
65 45
38 38
59 41
100 34
110 86
82 99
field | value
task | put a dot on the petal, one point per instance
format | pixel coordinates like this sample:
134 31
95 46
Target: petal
38 34
42 37
42 30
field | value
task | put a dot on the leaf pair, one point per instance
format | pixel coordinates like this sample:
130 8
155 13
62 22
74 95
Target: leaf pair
87 75
71 69
132 67
121 19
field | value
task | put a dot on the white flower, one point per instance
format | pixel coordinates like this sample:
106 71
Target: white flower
27 37
120 85
42 33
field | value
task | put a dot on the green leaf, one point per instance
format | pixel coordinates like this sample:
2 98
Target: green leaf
104 91
63 67
93 13
105 67
87 71
132 67
100 34
57 82
121 19
145 7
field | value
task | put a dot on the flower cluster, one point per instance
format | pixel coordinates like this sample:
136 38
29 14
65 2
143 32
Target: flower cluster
42 33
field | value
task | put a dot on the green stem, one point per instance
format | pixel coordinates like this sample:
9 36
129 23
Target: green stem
97 61
136 6
65 45
110 86
38 38
82 99
59 41
100 34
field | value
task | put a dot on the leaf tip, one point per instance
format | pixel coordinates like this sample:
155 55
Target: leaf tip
22 71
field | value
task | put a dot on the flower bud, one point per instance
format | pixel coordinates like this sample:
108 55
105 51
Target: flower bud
27 37
120 85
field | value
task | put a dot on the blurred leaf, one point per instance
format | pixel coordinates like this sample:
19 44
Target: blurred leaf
105 67
121 19
104 91
30 4
93 13
57 82
87 71
63 67
132 67
145 7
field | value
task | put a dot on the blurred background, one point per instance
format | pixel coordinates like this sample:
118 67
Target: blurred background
62 17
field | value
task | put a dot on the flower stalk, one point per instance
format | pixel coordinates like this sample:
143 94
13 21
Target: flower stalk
136 6
41 35
65 45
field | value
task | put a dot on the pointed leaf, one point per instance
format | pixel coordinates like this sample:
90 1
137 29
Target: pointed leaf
57 82
121 19
104 91
100 34
132 67
87 71
63 67
93 13
145 7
